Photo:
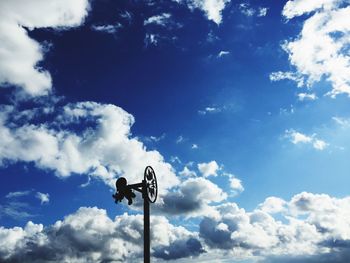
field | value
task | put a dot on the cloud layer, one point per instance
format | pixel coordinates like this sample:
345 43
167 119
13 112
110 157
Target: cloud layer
104 148
89 235
310 228
320 52
19 54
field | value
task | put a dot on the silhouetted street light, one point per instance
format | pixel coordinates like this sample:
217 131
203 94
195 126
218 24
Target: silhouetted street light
149 189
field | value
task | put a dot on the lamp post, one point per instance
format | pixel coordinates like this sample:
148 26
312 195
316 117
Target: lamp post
149 190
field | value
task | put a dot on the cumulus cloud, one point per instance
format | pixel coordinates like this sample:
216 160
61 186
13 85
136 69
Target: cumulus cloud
208 169
297 138
295 8
273 205
236 185
104 148
315 226
192 198
187 172
320 51
89 235
19 54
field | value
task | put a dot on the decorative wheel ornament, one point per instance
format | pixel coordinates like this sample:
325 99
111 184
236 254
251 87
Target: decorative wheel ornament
151 184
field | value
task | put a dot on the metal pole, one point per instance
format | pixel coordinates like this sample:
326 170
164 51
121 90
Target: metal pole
146 227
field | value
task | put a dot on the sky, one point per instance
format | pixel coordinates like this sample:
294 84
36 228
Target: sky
240 106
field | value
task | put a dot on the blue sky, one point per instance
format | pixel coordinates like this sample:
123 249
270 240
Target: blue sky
242 108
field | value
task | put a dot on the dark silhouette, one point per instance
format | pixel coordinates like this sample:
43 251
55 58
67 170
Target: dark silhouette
123 191
149 189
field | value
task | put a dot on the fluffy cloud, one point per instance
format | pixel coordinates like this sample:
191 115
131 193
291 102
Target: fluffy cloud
236 185
104 148
193 198
321 49
89 235
208 169
273 205
187 172
19 54
212 8
295 8
315 226
297 137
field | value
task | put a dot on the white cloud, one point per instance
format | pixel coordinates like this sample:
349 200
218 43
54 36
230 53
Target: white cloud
309 228
18 194
279 75
246 9
155 138
151 40
249 11
314 226
212 8
161 20
208 169
273 205
187 172
344 122
15 209
208 110
193 198
194 146
262 11
320 50
44 198
19 54
89 235
236 184
110 29
307 96
103 149
295 8
223 53
297 137
319 144
175 159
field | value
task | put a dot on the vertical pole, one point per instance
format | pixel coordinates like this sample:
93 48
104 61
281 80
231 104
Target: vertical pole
146 226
